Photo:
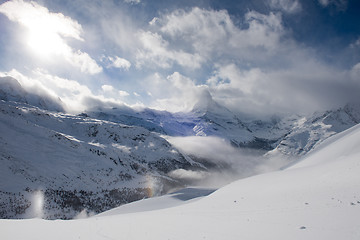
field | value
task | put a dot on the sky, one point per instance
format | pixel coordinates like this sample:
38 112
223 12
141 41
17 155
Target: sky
256 57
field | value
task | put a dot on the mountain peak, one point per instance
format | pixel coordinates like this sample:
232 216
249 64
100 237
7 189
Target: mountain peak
12 90
206 104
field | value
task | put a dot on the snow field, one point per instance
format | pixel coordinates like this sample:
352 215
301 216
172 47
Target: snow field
318 198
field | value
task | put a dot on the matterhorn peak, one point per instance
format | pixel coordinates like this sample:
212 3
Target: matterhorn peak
206 104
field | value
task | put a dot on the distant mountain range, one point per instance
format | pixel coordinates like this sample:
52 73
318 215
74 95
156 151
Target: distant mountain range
291 136
103 158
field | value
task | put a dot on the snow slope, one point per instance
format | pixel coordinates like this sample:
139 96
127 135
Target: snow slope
317 198
78 163
304 133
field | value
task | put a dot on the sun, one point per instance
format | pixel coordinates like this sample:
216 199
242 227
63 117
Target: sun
44 41
45 33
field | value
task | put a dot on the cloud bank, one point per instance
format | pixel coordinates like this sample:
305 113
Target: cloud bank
74 96
257 68
250 61
225 162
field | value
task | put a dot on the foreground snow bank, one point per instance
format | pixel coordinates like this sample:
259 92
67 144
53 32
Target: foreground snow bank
318 198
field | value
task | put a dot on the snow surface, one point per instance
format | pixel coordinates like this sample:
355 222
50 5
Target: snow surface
317 198
174 199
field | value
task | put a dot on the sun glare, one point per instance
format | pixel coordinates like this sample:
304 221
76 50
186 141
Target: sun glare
46 31
45 42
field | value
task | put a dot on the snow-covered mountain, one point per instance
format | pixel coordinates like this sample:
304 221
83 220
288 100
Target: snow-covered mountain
12 90
303 133
316 198
78 162
208 118
290 136
106 157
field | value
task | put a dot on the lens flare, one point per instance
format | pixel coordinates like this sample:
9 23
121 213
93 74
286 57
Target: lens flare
37 204
153 186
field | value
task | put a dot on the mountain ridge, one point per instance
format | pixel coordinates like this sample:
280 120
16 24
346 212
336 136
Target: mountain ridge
76 161
123 154
12 90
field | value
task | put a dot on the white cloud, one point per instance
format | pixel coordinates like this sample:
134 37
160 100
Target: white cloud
118 62
232 163
355 73
305 87
288 6
47 33
123 93
115 62
190 38
355 43
188 175
181 92
253 62
340 5
324 2
110 91
133 1
107 88
155 52
83 61
114 25
75 96
68 91
71 92
264 31
31 13
258 67
356 67
201 29
214 149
